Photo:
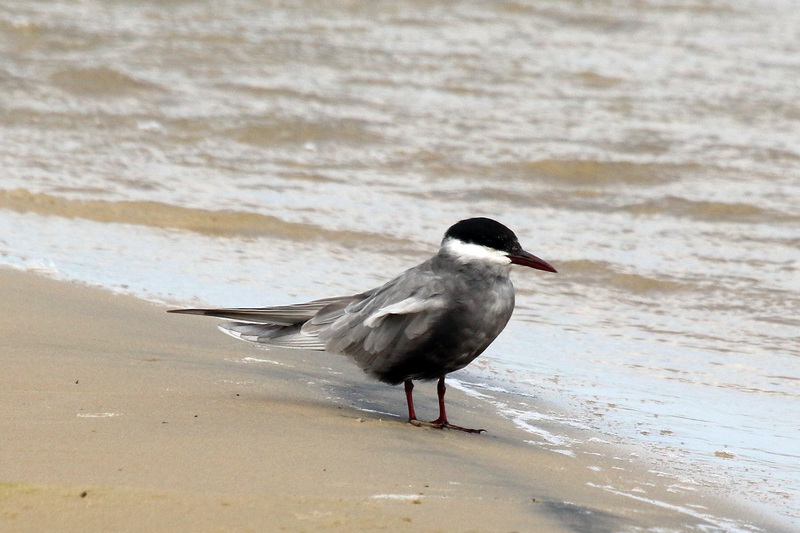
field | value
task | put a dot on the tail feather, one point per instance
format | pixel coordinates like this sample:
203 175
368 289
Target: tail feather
290 326
272 335
282 315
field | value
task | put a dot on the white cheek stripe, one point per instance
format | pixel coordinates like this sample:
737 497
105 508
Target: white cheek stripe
466 252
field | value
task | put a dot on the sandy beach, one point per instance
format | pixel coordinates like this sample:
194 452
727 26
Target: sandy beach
118 417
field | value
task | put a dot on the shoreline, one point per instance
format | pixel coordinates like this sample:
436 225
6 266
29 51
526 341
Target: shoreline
166 425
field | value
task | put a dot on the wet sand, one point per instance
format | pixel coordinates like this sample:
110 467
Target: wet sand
119 417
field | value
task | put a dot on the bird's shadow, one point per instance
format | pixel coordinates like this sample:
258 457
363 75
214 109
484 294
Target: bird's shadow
329 380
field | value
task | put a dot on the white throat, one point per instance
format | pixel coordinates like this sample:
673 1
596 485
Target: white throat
466 252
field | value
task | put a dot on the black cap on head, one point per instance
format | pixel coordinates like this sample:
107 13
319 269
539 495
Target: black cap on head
484 232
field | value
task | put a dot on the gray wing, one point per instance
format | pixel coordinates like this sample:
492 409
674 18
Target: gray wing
390 322
276 326
375 329
281 315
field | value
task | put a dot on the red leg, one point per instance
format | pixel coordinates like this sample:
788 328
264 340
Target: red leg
412 416
441 422
440 390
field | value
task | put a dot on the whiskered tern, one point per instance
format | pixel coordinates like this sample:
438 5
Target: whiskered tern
430 320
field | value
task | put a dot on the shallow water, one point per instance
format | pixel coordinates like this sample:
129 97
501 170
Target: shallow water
242 154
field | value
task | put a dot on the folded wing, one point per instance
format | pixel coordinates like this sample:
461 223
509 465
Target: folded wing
376 328
281 315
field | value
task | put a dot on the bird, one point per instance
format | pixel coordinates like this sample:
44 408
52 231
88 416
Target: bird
429 321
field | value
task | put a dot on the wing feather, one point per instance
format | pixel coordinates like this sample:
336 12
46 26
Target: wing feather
390 321
377 329
272 335
282 315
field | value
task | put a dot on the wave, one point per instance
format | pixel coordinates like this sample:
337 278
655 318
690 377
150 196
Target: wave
586 172
100 81
602 274
271 130
203 221
710 211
